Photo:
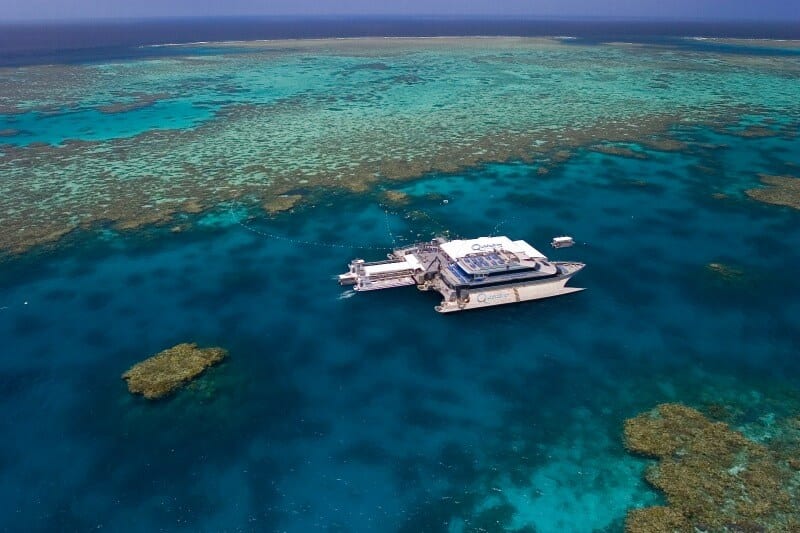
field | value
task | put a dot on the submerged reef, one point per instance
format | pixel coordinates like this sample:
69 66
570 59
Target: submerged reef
182 139
753 132
132 102
714 478
779 190
665 144
279 204
170 369
725 272
396 198
621 151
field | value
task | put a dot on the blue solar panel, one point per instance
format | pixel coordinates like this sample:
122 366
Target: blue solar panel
458 273
483 263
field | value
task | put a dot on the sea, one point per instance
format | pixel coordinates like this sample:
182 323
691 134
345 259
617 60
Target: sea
205 180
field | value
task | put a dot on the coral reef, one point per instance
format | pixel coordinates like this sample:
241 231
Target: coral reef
396 198
665 145
170 369
719 412
281 203
713 477
656 519
754 132
780 190
246 139
764 43
621 151
702 169
131 102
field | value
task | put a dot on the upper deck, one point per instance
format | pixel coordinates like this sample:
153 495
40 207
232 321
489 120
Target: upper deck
458 249
493 260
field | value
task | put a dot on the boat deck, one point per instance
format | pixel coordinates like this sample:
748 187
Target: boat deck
495 269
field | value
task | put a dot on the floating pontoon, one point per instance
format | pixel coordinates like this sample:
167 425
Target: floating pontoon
469 274
562 242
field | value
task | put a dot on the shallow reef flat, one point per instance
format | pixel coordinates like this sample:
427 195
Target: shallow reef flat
714 478
778 190
790 44
133 143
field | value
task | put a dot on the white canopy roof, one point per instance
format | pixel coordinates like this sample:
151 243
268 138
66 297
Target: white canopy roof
411 262
458 249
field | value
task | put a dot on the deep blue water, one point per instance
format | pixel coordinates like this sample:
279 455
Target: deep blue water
371 412
95 41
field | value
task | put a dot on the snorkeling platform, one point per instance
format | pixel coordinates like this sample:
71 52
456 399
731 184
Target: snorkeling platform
469 274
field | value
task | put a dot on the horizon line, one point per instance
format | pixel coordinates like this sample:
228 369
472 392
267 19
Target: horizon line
399 16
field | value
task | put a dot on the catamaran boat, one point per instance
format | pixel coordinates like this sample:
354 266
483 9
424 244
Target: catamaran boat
469 274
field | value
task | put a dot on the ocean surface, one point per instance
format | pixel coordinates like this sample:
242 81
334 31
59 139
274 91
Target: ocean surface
138 189
92 41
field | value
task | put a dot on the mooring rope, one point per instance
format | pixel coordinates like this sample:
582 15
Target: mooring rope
389 227
497 226
10 306
346 245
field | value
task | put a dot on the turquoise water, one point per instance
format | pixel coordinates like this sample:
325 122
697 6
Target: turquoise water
132 142
371 411
93 125
339 411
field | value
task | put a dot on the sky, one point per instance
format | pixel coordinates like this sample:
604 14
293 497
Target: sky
11 10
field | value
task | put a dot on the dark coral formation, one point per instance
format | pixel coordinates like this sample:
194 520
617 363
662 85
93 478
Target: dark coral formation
713 477
279 204
666 145
621 151
656 519
780 190
133 101
170 369
725 272
754 132
396 198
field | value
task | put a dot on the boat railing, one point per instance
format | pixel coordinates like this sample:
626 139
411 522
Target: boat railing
380 276
382 262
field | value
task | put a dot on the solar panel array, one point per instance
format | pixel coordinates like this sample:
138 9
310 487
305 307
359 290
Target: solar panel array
458 273
487 262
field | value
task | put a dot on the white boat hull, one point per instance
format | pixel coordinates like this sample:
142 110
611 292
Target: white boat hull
479 298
